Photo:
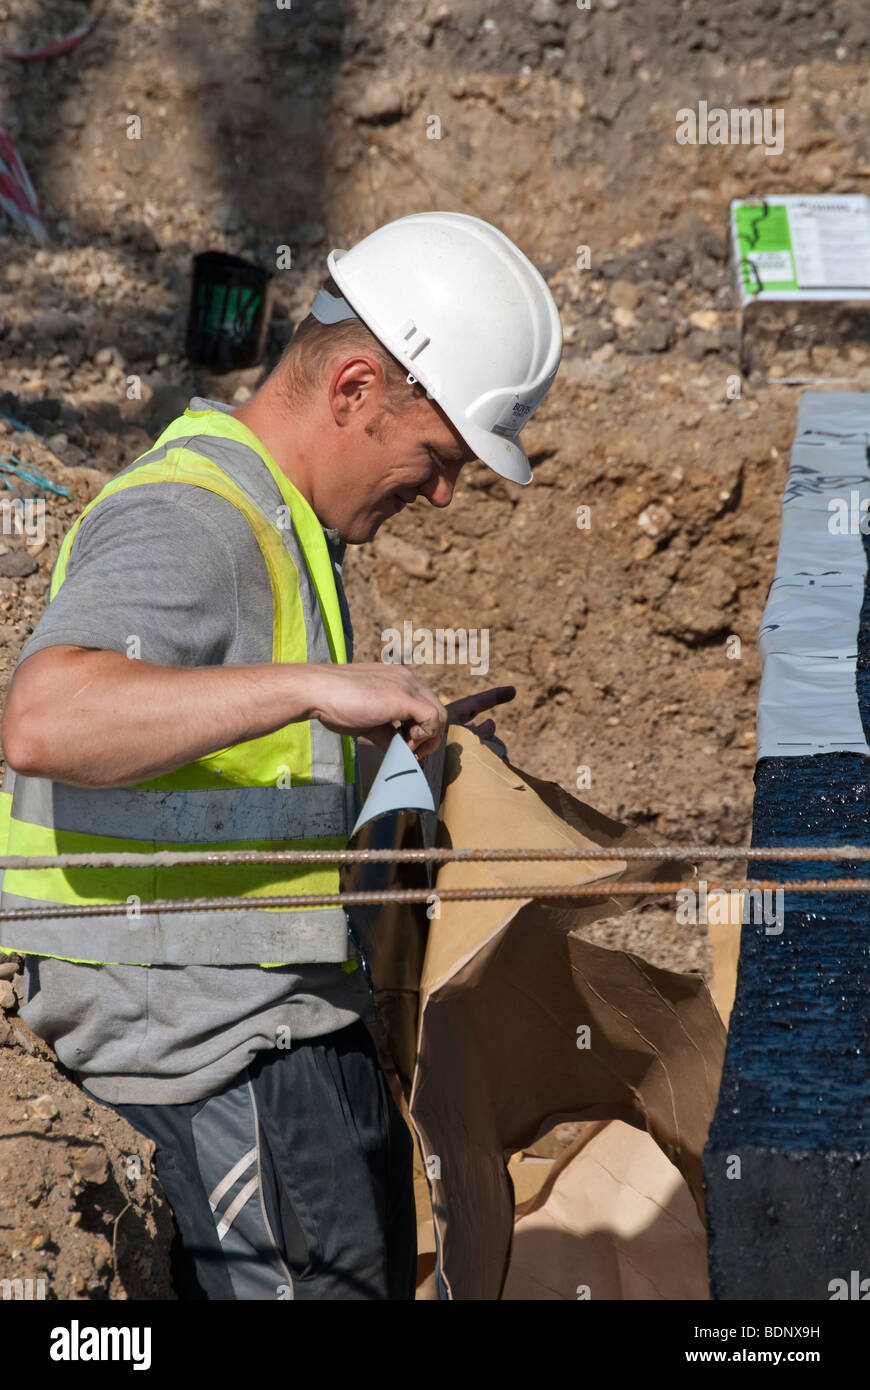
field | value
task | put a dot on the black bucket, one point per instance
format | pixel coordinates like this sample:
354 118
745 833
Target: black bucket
230 306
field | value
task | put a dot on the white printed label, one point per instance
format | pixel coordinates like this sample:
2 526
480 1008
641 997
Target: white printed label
772 266
512 419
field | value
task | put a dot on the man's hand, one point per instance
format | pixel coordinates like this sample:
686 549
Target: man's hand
463 711
370 698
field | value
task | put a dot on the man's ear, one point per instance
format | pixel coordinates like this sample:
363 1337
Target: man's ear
357 384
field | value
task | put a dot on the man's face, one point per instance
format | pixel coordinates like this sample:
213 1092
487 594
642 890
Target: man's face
393 456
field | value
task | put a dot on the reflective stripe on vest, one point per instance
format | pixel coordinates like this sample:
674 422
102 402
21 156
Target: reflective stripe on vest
291 789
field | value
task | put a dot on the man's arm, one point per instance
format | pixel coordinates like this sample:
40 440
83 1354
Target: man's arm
99 719
172 567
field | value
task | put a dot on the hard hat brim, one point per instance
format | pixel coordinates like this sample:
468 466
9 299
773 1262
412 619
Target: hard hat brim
503 456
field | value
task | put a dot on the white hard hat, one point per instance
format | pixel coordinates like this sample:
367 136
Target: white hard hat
470 317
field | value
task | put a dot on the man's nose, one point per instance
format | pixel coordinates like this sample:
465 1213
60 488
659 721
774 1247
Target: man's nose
439 489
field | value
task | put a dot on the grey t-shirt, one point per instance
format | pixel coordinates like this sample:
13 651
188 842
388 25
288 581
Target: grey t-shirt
180 569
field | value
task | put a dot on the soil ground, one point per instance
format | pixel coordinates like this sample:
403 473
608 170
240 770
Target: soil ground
257 128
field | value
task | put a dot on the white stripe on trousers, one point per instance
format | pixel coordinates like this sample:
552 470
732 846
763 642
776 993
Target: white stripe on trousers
235 1207
235 1172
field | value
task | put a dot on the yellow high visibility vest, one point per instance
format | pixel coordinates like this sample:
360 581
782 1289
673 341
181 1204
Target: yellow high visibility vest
291 789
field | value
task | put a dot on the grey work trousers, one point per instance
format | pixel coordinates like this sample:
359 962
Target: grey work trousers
293 1182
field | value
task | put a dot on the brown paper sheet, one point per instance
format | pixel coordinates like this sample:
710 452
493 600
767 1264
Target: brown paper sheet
724 928
504 987
613 1220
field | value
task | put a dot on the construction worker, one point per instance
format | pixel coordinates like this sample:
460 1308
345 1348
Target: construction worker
190 684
